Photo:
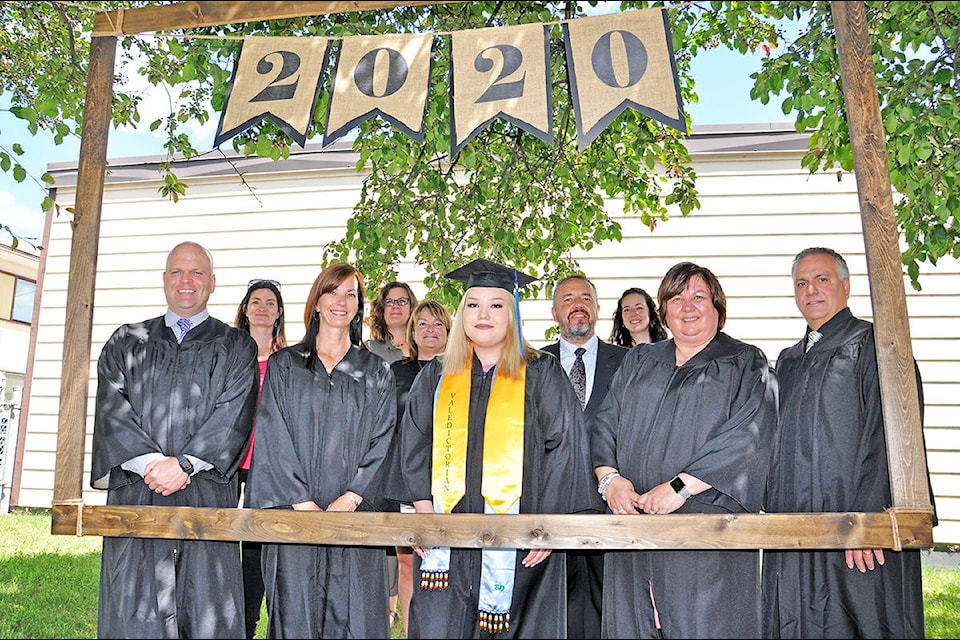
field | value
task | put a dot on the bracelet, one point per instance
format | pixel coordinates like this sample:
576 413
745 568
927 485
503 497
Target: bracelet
605 483
349 494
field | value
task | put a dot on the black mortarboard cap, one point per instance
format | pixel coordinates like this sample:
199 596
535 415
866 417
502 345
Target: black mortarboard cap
484 273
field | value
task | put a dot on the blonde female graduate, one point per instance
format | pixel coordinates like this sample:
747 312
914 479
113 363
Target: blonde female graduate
493 426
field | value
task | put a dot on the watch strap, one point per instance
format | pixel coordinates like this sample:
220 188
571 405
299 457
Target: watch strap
678 485
185 464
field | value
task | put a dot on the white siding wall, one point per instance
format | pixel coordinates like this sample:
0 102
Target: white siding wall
757 210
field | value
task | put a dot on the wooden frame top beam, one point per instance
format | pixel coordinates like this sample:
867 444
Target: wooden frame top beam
191 15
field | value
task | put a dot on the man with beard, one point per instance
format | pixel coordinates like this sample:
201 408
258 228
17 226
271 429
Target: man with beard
590 363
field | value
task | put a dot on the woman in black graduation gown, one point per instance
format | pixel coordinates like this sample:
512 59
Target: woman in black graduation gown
427 338
324 425
509 439
686 427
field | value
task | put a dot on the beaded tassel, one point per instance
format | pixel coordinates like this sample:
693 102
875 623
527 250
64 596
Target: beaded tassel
434 580
494 622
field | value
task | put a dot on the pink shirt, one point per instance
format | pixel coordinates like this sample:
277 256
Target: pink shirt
246 458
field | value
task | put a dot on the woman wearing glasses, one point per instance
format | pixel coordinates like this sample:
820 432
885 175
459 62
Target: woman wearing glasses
389 317
389 314
260 313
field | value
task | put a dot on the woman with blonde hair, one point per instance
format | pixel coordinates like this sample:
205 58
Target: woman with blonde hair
324 426
498 421
427 332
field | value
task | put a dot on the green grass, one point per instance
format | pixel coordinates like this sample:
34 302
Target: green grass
941 602
48 585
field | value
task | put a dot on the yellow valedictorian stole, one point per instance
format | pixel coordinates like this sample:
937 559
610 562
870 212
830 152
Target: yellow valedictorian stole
502 441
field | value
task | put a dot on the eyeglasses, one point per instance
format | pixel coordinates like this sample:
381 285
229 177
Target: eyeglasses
400 302
262 281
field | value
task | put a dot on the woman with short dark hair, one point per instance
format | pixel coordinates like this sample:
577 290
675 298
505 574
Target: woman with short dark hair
687 426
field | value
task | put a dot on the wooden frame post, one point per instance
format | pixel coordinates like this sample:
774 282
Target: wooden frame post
78 324
898 385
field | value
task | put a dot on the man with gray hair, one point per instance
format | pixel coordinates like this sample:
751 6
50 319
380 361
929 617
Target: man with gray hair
832 457
590 363
176 396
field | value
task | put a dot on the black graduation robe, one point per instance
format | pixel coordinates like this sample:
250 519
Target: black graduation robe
832 458
318 436
404 373
196 398
556 479
715 418
585 568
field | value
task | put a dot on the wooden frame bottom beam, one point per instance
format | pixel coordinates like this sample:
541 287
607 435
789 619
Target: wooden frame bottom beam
895 529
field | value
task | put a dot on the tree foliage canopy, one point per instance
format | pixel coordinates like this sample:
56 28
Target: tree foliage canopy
508 196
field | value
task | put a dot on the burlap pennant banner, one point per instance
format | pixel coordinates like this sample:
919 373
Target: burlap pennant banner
619 61
387 76
614 62
500 72
277 78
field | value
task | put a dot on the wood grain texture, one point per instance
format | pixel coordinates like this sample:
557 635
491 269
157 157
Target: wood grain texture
902 529
83 270
187 15
898 388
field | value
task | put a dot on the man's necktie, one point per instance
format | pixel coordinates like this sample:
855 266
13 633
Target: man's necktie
812 338
184 324
578 375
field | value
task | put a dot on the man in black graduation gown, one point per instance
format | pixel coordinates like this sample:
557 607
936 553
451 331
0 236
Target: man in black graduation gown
832 458
575 310
175 402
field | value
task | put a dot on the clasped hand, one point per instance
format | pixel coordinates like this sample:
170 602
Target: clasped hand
164 476
623 499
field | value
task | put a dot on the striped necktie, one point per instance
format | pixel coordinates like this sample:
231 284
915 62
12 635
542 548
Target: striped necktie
184 324
812 339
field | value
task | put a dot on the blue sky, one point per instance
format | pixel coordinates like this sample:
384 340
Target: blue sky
722 82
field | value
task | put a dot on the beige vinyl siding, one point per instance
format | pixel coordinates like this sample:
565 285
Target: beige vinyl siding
757 210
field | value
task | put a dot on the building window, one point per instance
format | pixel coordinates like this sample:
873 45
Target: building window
23 301
16 298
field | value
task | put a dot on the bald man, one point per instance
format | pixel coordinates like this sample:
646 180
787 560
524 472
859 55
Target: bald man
176 397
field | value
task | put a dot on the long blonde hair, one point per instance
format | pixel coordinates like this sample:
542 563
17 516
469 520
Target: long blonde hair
458 356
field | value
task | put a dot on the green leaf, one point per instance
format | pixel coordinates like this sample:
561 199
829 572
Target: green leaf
25 113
